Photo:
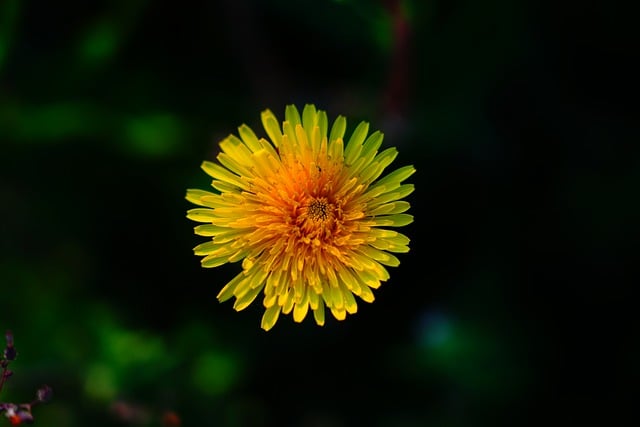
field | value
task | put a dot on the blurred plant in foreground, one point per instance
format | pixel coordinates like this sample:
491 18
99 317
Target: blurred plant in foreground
21 412
139 415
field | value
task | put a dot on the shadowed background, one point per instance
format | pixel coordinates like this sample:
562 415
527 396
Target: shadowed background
519 117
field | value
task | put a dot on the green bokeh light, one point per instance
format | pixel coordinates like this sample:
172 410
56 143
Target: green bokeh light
100 44
468 355
154 134
49 122
127 348
101 382
214 373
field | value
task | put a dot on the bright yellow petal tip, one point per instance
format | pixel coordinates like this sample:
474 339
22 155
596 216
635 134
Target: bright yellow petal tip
306 214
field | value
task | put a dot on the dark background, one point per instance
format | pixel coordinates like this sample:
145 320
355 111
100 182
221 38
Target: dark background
520 118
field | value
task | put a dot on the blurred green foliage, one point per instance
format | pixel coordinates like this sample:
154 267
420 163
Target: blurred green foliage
9 11
154 135
100 44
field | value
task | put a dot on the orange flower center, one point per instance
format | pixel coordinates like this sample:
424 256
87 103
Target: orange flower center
318 221
319 209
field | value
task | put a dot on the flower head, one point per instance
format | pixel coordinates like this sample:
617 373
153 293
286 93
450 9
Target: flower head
305 214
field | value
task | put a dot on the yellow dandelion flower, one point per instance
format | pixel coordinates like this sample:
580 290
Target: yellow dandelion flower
305 214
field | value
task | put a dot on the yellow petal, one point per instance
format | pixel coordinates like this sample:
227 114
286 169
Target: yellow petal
270 124
270 317
318 314
249 138
194 196
208 230
229 289
300 311
314 299
366 295
350 303
288 302
220 173
339 313
201 215
337 298
246 299
214 261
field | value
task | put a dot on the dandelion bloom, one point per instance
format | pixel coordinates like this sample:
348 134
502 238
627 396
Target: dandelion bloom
305 214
